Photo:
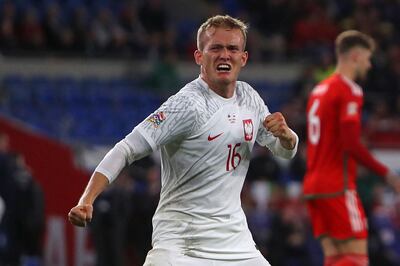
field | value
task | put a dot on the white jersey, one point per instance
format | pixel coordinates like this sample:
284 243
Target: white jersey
206 142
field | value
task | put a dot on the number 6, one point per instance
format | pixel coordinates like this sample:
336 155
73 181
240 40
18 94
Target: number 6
314 124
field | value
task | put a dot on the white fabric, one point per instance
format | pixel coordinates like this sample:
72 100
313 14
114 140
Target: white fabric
164 257
133 147
206 142
281 151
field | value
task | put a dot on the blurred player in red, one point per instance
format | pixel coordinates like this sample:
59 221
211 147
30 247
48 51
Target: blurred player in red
333 151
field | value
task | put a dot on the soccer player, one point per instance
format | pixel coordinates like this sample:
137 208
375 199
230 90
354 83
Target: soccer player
205 134
333 151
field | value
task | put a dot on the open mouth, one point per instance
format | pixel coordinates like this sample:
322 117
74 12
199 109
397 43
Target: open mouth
223 68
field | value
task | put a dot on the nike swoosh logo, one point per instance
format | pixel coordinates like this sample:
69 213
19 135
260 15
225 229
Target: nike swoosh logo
210 138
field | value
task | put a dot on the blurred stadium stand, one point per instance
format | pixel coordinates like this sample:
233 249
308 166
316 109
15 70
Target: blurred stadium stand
91 110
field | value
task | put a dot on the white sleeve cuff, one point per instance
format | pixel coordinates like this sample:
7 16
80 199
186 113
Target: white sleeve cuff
283 152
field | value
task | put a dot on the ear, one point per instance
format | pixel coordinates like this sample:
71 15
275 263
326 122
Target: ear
354 55
244 58
198 57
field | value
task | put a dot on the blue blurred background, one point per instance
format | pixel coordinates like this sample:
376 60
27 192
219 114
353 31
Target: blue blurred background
77 75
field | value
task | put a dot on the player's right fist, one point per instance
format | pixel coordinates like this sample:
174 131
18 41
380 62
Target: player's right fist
80 215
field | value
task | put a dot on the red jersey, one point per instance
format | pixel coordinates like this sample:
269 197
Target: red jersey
333 138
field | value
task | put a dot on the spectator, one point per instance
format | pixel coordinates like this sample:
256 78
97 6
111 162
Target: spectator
30 222
80 27
8 248
109 226
8 31
134 29
30 31
22 225
164 76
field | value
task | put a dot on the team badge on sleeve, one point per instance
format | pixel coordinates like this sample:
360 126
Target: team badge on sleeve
352 108
248 129
157 118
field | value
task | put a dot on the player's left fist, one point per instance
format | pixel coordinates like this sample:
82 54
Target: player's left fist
276 124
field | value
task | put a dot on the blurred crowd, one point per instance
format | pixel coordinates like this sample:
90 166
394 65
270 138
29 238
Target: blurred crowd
280 29
22 213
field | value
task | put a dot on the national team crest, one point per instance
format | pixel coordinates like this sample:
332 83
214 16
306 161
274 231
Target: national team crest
248 129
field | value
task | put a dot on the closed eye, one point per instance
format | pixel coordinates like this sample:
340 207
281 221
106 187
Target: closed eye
233 48
218 47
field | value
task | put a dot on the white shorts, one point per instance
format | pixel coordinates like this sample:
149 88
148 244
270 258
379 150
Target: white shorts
164 257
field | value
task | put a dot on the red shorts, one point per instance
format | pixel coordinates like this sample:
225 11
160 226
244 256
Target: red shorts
340 217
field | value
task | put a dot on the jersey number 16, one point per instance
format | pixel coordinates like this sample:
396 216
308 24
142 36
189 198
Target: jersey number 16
234 157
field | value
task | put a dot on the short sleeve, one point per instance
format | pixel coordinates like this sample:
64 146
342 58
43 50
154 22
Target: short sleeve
174 120
266 138
263 135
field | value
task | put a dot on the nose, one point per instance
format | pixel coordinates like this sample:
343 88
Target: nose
225 54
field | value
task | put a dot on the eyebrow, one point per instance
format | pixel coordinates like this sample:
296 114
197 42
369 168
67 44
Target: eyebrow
229 46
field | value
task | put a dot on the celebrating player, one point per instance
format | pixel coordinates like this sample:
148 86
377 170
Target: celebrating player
205 134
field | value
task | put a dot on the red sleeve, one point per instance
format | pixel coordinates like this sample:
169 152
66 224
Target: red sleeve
350 134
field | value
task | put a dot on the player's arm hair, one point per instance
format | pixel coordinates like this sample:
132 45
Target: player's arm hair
350 134
97 183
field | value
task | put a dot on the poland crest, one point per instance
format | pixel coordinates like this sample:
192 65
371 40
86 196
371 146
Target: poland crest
248 129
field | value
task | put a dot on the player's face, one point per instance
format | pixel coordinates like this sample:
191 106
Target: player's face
222 57
363 62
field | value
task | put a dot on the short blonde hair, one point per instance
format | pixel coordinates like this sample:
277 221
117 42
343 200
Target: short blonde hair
220 21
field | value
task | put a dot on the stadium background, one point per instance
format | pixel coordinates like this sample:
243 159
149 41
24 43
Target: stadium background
77 75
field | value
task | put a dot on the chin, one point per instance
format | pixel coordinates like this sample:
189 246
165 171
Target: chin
362 75
225 81
227 78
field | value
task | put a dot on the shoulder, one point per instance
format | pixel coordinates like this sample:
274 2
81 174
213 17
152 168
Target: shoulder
337 86
245 90
190 96
352 87
249 98
245 87
345 86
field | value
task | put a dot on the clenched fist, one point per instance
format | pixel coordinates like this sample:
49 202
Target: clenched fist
80 215
276 124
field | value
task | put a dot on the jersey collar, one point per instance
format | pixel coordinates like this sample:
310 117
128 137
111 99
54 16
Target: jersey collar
204 85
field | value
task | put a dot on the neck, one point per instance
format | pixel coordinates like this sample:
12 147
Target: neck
345 70
225 90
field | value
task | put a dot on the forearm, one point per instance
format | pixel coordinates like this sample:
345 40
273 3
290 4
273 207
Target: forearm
351 141
97 184
363 156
